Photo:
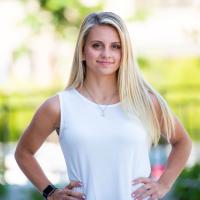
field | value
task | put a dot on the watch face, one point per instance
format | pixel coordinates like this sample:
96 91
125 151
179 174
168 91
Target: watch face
49 190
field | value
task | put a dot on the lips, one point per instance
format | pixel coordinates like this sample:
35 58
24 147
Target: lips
105 62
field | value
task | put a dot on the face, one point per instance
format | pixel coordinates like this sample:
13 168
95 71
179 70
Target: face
102 50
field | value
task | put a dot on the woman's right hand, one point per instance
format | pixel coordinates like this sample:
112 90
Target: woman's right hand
67 193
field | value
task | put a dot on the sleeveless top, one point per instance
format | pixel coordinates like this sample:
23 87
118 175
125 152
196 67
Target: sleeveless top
106 152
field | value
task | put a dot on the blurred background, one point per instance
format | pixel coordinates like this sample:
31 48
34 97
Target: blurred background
37 40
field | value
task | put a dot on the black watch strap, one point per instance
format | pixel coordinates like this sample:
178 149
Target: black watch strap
48 191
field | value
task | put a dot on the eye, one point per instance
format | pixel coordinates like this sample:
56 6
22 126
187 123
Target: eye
116 46
96 45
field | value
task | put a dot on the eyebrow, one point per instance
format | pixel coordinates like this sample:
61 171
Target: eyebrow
102 42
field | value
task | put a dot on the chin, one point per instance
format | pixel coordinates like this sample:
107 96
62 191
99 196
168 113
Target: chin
103 71
108 72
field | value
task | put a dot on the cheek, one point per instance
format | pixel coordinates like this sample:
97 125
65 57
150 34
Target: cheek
90 54
118 56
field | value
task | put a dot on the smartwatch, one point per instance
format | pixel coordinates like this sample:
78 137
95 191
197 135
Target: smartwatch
48 191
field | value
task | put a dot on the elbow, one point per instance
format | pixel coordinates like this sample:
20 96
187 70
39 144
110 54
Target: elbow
186 143
17 154
21 154
188 147
189 142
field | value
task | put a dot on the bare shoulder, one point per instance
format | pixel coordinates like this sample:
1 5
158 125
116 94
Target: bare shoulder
50 111
156 104
46 119
51 105
44 122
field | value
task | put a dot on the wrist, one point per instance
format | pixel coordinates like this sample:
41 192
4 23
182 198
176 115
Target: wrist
53 195
49 191
167 179
166 185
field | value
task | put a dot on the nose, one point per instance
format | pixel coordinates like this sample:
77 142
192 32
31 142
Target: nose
105 53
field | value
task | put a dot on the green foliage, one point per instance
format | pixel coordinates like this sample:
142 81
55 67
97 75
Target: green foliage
60 14
35 195
3 122
3 190
20 51
187 185
35 21
143 62
14 118
172 71
17 111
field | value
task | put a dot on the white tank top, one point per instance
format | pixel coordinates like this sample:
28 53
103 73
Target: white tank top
104 153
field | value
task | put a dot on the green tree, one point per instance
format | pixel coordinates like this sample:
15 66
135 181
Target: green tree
60 14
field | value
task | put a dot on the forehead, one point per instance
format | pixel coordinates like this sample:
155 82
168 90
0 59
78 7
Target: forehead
103 33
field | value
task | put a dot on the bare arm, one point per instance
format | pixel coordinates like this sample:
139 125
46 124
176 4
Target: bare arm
44 122
181 147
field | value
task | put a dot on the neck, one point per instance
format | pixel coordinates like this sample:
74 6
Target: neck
102 89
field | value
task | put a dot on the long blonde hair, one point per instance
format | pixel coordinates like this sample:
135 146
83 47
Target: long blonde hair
135 93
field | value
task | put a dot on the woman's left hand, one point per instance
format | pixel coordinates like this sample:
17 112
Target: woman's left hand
150 188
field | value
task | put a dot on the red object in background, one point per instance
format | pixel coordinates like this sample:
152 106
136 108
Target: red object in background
157 170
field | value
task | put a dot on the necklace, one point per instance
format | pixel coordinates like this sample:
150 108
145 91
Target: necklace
102 109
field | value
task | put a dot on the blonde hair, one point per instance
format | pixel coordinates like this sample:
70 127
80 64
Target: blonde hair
135 93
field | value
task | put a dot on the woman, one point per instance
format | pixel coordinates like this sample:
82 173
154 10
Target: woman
107 119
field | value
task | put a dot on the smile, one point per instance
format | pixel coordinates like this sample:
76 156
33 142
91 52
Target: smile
104 62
